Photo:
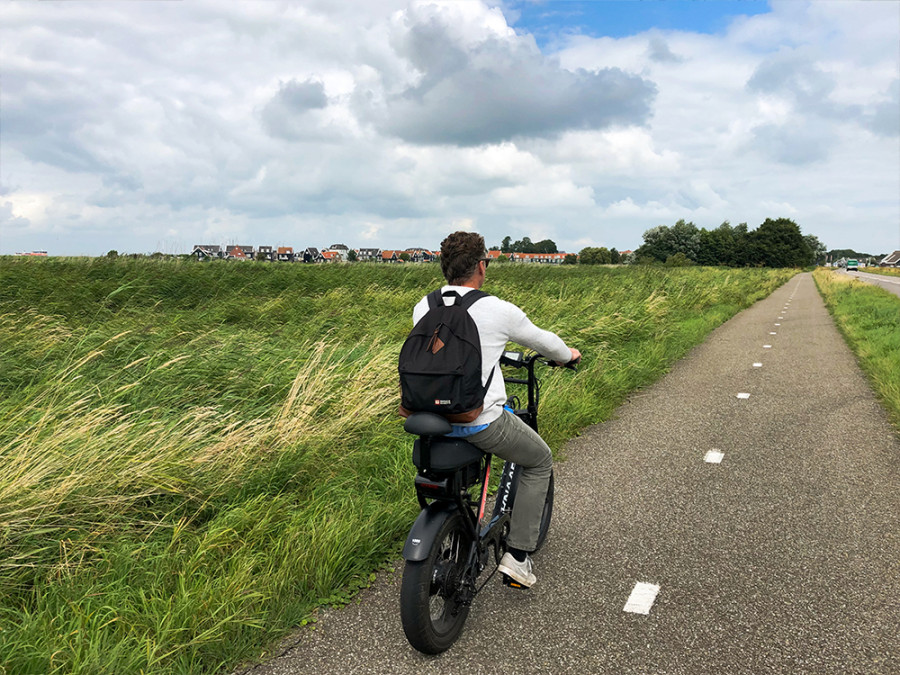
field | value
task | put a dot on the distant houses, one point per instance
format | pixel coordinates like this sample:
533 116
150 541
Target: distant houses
341 253
543 258
207 252
892 260
368 254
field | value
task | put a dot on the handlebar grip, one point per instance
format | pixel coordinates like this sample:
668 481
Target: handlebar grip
571 365
504 361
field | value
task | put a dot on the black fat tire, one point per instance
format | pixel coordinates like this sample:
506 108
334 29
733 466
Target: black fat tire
430 610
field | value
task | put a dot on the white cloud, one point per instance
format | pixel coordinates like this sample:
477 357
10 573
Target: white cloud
370 232
463 224
473 81
139 125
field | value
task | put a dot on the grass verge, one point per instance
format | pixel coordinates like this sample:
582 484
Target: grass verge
883 271
194 456
869 319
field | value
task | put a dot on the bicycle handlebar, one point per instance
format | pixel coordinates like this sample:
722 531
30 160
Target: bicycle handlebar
519 360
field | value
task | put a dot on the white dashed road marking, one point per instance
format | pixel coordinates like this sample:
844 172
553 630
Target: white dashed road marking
714 457
644 595
642 598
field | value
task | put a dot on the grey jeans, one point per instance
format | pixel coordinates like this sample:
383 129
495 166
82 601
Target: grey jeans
510 438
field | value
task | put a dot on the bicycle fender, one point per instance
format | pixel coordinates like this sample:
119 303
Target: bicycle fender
425 529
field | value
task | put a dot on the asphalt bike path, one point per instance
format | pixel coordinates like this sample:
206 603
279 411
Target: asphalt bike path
742 515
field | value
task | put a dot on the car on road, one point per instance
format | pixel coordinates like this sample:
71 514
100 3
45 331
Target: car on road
852 265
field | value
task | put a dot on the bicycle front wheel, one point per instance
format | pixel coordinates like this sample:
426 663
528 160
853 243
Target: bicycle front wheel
431 607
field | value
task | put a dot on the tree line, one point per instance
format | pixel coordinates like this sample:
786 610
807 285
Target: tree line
775 243
525 245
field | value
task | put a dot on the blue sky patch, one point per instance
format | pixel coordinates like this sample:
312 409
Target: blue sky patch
548 21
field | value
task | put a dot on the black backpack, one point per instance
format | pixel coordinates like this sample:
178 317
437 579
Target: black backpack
440 362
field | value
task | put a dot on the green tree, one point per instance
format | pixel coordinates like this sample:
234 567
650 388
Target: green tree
592 255
614 257
545 246
720 246
505 246
779 243
685 239
741 246
351 256
404 256
524 245
587 256
656 244
661 242
570 259
112 254
819 250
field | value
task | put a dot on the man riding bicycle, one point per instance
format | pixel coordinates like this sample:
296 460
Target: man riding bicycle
464 264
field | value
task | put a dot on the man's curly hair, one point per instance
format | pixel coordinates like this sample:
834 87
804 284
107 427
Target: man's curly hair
460 253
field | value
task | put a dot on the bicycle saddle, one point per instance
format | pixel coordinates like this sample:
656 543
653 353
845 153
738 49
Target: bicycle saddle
427 424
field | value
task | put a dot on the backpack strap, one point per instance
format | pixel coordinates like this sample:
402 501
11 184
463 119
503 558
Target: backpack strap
469 298
435 299
487 385
466 301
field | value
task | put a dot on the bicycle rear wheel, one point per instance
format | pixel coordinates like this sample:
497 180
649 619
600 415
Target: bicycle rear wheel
431 607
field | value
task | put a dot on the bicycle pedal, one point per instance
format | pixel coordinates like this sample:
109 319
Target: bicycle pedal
512 583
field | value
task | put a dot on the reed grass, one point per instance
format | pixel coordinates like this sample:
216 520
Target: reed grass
869 319
884 271
195 456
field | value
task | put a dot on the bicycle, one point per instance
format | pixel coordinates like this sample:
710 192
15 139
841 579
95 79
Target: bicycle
450 545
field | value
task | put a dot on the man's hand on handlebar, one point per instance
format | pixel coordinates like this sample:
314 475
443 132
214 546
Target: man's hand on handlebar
576 357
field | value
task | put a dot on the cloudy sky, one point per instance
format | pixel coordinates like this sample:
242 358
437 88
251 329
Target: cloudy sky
143 126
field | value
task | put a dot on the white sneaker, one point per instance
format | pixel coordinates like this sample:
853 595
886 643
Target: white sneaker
519 573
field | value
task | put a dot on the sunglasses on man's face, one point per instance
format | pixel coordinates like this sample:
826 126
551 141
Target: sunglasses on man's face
486 261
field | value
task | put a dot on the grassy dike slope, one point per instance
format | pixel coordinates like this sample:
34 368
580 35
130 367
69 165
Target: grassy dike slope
869 318
193 456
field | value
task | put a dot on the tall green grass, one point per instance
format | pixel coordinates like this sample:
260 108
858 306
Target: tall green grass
869 318
884 271
194 456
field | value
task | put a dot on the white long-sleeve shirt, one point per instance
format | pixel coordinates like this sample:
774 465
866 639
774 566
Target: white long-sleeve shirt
500 322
